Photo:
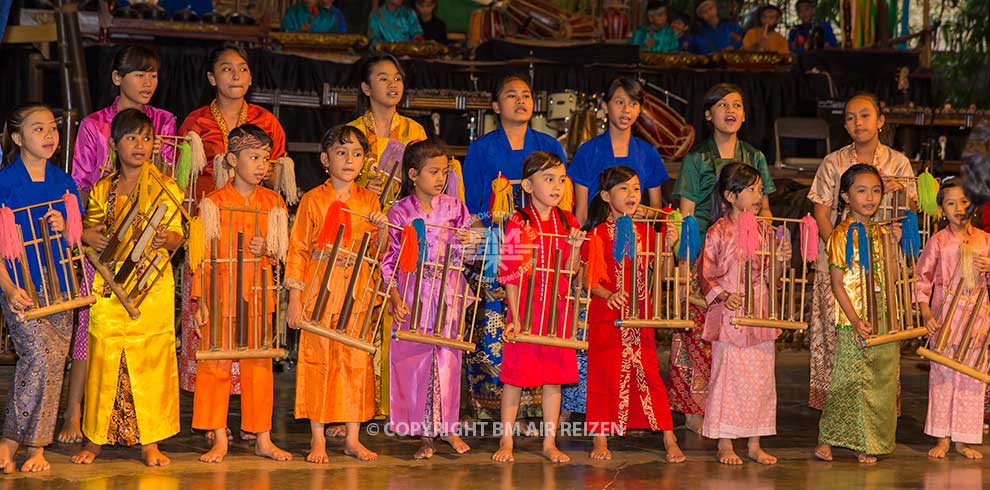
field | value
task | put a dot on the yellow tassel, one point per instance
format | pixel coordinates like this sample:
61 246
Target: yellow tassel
277 238
501 206
457 170
967 269
209 214
567 198
196 245
220 171
286 182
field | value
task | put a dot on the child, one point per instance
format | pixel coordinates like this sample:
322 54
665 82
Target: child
656 36
863 122
135 73
713 35
742 397
41 344
334 383
425 380
810 34
764 35
624 384
132 394
248 151
955 400
860 409
682 30
316 16
434 29
531 365
393 22
617 146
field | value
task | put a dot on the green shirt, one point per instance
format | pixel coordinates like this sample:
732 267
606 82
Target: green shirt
664 39
699 172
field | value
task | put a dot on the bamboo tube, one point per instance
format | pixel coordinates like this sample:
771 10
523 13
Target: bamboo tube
440 325
323 296
240 313
215 312
348 305
527 325
943 335
772 292
555 287
657 273
968 330
953 364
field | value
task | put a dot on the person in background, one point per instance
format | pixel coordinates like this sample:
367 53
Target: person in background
763 36
393 22
314 16
810 34
434 29
656 36
682 29
713 35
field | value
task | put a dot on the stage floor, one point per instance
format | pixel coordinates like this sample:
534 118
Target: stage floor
637 461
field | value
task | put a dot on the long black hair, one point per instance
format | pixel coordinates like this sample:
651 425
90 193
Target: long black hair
415 157
15 123
368 64
599 210
847 180
733 178
539 161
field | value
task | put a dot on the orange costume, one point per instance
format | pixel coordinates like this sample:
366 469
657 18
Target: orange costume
213 377
334 382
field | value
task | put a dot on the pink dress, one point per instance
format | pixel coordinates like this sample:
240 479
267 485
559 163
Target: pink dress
955 400
742 393
530 365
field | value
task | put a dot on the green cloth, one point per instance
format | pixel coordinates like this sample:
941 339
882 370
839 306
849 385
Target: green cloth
664 39
861 407
699 173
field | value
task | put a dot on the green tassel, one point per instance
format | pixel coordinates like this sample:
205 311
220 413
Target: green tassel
183 165
927 193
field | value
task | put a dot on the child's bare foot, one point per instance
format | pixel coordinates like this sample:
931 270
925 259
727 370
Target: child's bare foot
555 455
693 422
455 441
218 450
674 453
71 432
967 451
153 457
599 448
864 458
760 456
36 461
504 453
425 450
246 436
318 449
8 448
824 452
210 435
89 452
727 454
940 450
356 449
336 431
265 448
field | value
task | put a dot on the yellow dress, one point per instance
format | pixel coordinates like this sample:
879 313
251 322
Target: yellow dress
149 341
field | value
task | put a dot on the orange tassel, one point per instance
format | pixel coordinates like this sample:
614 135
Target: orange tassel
334 219
409 252
595 269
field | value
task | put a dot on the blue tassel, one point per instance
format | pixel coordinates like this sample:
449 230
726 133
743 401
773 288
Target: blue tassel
863 245
420 226
910 234
690 240
493 251
625 239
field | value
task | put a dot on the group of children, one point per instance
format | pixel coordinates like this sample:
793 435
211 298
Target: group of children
132 377
393 21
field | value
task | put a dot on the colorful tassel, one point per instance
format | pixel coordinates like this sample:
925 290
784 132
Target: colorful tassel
678 220
209 214
910 234
967 269
10 240
277 237
860 241
690 240
500 207
73 220
409 252
595 268
422 246
809 238
333 220
197 155
183 166
220 171
625 239
196 245
455 180
286 182
748 239
927 194
567 198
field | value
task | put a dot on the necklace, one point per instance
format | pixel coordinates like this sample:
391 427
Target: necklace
543 253
222 122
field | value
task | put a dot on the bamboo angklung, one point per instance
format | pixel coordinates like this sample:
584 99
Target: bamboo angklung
777 278
897 321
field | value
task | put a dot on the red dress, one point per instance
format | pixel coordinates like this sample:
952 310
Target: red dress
625 390
530 365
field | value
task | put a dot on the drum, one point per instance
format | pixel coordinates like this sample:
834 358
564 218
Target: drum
664 128
485 24
616 22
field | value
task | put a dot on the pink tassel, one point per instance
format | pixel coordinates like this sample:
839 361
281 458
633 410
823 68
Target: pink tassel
10 242
749 235
809 239
73 220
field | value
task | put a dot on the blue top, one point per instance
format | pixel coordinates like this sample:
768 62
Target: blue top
799 34
708 40
17 190
200 7
385 26
491 154
326 19
595 156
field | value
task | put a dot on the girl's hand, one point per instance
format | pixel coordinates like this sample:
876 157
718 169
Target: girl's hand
862 328
466 237
161 238
982 263
892 185
55 220
18 299
784 251
378 219
672 235
376 184
509 332
895 229
95 237
257 246
576 237
400 310
156 147
733 301
200 317
931 326
295 313
617 300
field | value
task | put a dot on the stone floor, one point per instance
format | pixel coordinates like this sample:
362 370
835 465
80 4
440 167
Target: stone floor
637 461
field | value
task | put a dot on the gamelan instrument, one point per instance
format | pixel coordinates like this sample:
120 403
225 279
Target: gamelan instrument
895 204
543 19
319 41
188 161
129 264
962 341
440 286
663 128
56 257
424 49
153 22
337 97
672 59
240 290
752 61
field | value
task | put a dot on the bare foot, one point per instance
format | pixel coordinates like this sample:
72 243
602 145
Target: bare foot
425 450
940 449
864 458
555 455
265 448
336 431
218 450
455 441
824 452
504 453
153 457
760 456
317 450
36 461
967 451
89 452
71 432
674 453
727 454
693 422
247 436
356 449
599 449
7 450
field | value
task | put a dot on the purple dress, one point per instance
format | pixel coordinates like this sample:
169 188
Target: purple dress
425 380
90 156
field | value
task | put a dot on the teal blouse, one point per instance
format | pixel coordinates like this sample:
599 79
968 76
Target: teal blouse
664 39
326 20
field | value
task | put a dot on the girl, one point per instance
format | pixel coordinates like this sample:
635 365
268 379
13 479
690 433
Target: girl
530 365
763 36
690 359
335 383
742 397
425 380
955 401
500 151
863 122
617 146
860 410
132 394
624 384
30 139
135 73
